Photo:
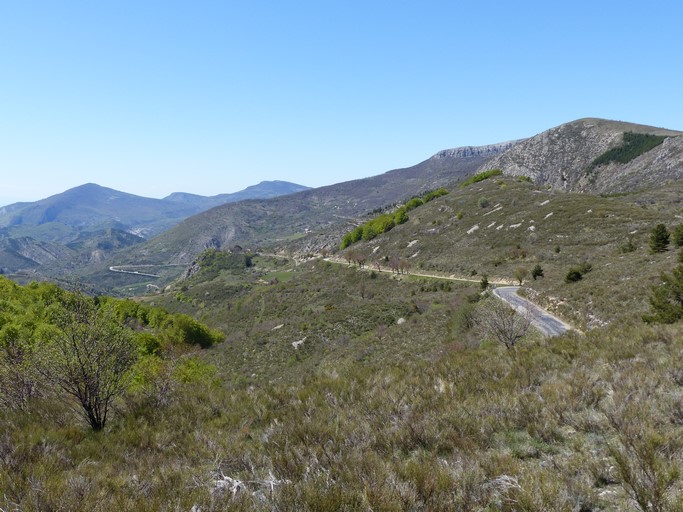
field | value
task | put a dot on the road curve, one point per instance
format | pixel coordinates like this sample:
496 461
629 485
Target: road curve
545 322
134 272
387 270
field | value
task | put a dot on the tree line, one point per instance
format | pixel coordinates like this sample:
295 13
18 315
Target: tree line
84 350
387 221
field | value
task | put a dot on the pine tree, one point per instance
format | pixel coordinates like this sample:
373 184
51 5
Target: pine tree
666 300
678 236
659 239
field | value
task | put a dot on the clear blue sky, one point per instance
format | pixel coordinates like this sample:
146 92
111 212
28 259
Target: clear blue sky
209 97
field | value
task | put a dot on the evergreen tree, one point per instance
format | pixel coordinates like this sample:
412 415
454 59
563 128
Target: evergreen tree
666 300
659 239
536 272
678 236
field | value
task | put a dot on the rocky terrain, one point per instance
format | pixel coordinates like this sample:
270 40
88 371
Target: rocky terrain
561 158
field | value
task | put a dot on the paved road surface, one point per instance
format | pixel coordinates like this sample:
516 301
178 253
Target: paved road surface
545 322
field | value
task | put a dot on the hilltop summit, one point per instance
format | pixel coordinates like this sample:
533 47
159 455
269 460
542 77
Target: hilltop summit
563 157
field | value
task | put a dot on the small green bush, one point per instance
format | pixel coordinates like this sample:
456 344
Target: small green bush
666 301
481 177
628 246
413 203
678 236
576 273
428 196
537 272
573 276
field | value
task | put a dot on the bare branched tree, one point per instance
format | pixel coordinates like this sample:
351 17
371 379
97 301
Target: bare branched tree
89 358
503 323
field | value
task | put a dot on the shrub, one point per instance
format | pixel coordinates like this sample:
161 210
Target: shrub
520 274
629 246
213 261
188 330
585 267
483 202
481 177
428 196
401 216
576 273
536 272
666 301
414 203
678 236
573 276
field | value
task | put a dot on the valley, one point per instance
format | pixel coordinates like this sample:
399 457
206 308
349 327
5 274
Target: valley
371 345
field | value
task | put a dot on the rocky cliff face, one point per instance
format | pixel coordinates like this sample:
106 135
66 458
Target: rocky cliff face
561 157
482 151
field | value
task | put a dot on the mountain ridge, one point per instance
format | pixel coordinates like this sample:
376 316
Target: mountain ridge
86 223
262 190
562 157
254 222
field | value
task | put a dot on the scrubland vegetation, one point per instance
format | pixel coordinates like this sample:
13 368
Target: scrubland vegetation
567 423
345 388
484 175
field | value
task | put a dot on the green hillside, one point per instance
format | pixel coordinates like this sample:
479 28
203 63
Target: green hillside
303 376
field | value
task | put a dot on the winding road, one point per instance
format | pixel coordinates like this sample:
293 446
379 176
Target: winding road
120 269
547 323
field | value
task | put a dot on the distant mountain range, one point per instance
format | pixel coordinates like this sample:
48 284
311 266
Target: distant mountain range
92 207
99 220
86 230
264 190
